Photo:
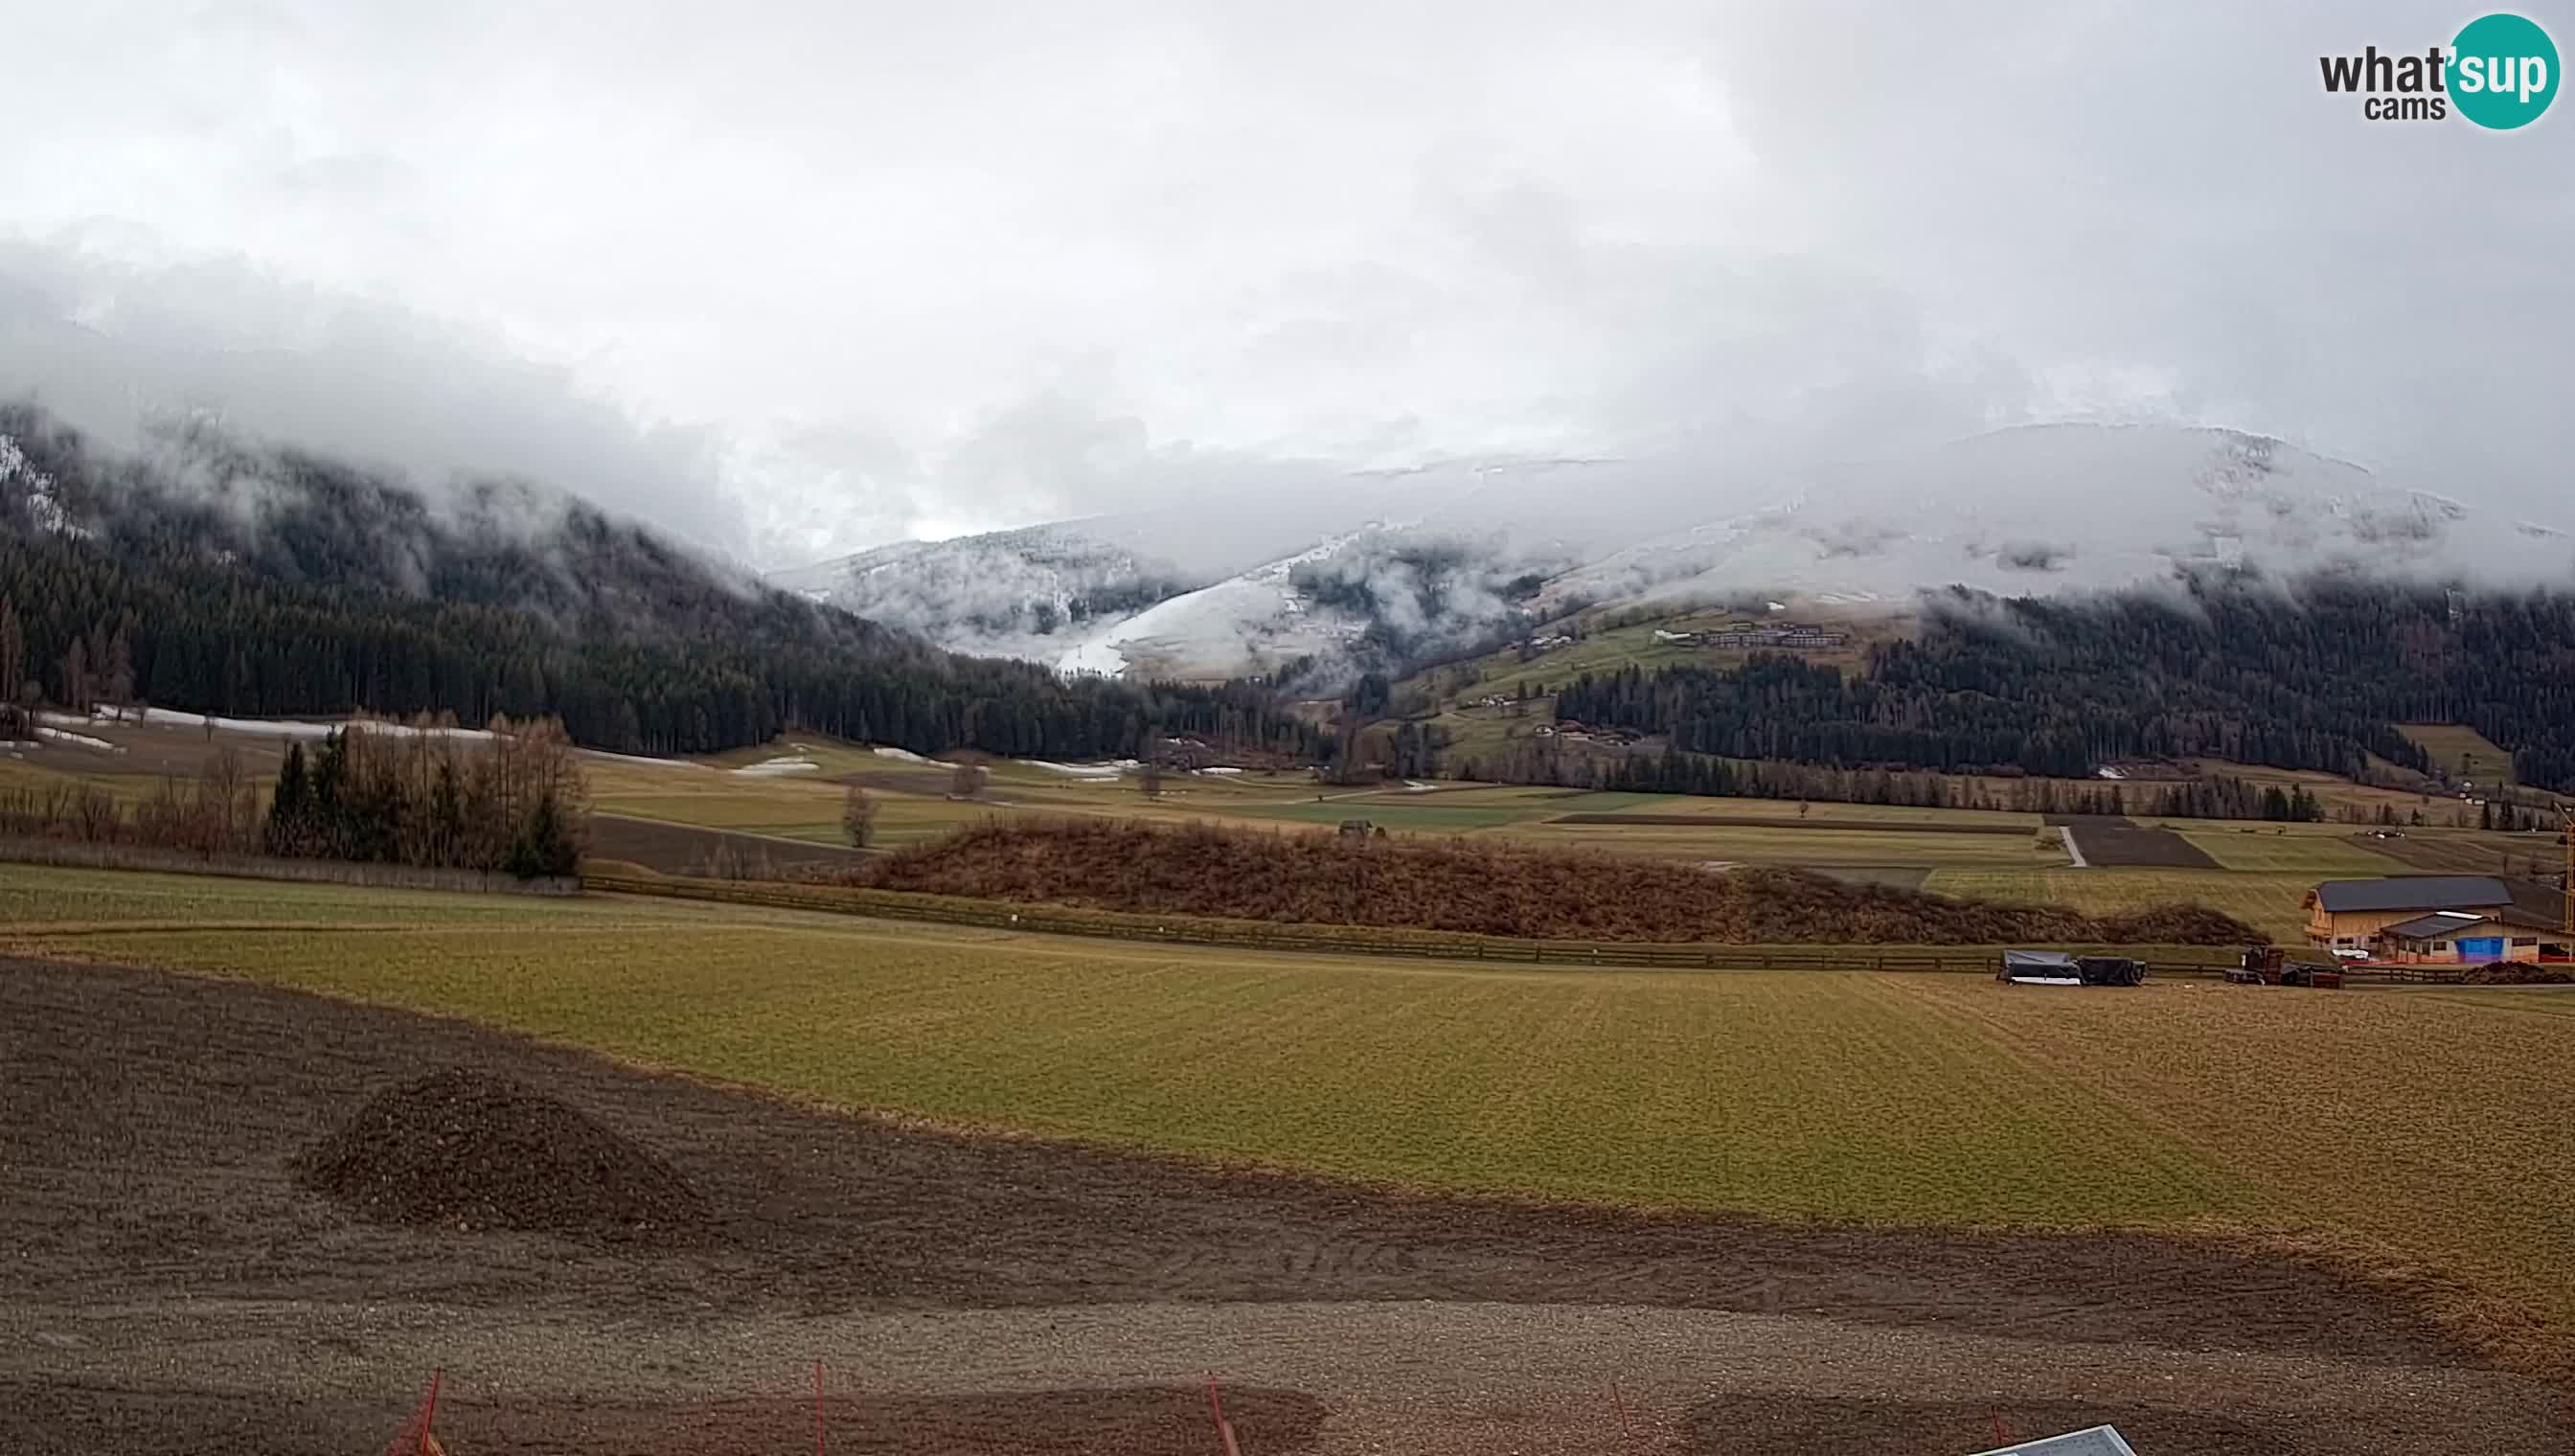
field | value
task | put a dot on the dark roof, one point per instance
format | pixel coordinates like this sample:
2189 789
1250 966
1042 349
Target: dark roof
2538 903
2414 892
2528 919
2434 926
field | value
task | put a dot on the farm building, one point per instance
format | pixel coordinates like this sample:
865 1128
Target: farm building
2347 915
2470 937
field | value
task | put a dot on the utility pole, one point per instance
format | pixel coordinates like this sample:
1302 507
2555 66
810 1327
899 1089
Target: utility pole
2566 886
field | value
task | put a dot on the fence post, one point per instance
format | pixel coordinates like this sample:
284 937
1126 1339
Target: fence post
1224 1430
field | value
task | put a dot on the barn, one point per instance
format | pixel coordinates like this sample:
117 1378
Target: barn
2461 937
2349 914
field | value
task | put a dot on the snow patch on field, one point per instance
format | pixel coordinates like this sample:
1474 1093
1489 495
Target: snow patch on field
1219 771
83 741
905 756
1085 771
640 758
779 767
287 728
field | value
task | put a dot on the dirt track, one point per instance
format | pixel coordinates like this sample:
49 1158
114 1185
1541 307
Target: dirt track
2112 839
172 1289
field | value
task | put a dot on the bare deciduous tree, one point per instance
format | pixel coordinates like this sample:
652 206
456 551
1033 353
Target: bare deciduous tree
76 676
857 816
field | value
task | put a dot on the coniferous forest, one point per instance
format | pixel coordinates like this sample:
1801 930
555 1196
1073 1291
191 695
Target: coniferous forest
2311 678
267 582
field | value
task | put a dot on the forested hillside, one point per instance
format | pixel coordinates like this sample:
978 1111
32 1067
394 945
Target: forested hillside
267 582
273 582
2314 678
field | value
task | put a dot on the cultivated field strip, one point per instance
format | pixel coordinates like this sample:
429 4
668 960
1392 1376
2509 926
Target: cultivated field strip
2266 902
1796 1093
2428 1122
972 1296
2422 1129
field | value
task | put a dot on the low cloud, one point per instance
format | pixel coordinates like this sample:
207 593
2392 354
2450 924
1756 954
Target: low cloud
131 355
826 276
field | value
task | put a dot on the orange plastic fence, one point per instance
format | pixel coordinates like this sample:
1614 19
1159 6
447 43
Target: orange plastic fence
414 1440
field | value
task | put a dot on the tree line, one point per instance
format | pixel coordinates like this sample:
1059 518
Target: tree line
1670 770
510 800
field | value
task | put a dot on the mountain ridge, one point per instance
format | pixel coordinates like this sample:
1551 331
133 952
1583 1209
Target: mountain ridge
2032 509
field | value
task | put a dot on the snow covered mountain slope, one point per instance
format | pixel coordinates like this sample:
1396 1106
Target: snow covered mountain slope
2047 508
1242 624
1004 594
1399 568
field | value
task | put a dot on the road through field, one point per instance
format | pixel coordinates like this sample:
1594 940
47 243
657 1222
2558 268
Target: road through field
1420 1377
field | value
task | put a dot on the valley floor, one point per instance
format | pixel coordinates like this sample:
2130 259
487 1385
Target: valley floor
175 1292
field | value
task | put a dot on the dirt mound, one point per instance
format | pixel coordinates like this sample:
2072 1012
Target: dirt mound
2517 974
470 1151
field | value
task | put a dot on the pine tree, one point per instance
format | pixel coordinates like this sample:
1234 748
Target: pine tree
542 849
13 648
290 807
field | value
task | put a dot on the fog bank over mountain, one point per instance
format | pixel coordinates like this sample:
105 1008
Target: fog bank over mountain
812 280
1462 559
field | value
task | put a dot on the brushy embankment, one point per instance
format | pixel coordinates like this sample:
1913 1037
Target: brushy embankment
1483 889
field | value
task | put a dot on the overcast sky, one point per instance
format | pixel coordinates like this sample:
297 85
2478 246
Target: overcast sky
799 276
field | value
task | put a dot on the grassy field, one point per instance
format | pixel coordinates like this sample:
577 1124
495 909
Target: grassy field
2461 752
2358 1107
2419 1127
1596 1084
2269 901
2317 851
807 807
1609 650
913 805
1819 845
